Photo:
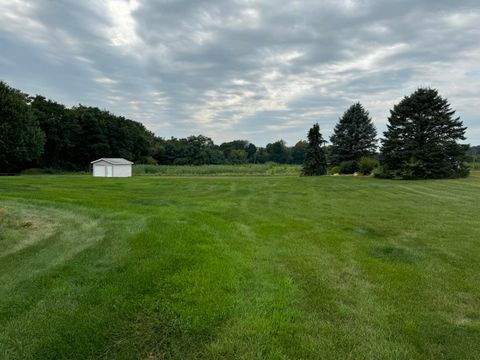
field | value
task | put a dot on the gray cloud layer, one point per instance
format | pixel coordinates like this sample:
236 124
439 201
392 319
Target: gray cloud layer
260 70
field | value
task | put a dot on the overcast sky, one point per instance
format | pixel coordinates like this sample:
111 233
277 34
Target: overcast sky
256 70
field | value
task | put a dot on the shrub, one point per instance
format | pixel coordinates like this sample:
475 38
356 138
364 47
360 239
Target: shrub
366 165
379 172
334 170
348 167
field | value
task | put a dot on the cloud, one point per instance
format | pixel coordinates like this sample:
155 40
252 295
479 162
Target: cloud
260 70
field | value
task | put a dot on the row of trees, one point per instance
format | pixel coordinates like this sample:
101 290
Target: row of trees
421 141
37 132
199 150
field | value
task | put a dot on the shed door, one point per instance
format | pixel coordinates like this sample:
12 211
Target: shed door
98 170
109 171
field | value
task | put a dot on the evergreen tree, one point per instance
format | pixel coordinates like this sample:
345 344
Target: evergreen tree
421 138
354 136
21 139
315 162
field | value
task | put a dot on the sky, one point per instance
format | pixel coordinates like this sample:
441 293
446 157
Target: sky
243 69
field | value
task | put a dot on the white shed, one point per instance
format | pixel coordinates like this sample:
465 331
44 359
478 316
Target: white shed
112 167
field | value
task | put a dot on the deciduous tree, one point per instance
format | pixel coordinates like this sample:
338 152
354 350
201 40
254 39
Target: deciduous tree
21 139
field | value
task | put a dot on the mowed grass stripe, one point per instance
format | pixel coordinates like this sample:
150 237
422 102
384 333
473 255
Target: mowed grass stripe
248 267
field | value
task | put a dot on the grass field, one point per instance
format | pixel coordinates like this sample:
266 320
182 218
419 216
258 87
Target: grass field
239 268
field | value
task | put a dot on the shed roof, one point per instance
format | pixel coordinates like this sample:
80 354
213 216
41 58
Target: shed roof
114 161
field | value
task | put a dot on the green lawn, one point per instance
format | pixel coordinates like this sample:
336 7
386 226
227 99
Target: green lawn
239 267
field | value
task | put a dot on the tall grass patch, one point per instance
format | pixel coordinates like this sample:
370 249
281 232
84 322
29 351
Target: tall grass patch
269 169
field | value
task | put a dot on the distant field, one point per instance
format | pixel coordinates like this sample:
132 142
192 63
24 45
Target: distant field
237 267
218 170
475 165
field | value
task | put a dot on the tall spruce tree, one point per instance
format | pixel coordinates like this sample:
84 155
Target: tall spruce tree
422 137
315 162
354 136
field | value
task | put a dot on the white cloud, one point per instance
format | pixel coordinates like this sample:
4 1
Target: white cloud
106 81
463 19
122 32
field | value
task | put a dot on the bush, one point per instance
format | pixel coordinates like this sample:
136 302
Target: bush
334 170
379 172
366 165
348 167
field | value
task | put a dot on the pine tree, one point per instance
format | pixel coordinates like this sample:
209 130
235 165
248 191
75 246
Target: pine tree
354 136
421 139
315 162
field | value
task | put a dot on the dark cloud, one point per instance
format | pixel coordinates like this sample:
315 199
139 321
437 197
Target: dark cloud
260 70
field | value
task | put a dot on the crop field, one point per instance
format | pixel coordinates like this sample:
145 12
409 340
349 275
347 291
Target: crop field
239 267
267 169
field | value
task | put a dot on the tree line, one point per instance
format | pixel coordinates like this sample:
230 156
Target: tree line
200 150
421 140
38 132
